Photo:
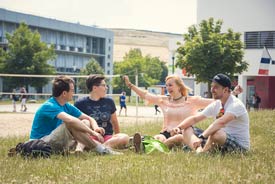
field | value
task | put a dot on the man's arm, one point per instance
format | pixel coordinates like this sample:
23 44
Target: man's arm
115 124
218 124
74 123
93 123
188 122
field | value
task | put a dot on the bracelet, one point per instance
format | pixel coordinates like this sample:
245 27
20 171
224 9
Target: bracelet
130 85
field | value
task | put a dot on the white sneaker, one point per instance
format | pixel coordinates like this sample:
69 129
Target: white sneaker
108 151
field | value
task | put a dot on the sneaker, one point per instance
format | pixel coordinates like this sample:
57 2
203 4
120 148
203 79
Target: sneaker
137 143
108 151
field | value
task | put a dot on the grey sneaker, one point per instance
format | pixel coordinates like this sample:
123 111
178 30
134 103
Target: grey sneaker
108 151
137 143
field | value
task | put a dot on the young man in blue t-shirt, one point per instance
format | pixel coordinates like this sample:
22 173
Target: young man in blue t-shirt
58 123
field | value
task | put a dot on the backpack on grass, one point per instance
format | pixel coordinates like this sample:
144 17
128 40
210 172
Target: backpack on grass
36 148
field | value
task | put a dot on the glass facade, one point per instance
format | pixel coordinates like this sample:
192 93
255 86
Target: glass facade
74 44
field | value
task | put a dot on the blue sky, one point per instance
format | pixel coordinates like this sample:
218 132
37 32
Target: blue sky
173 16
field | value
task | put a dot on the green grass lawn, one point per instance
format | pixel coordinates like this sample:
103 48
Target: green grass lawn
257 166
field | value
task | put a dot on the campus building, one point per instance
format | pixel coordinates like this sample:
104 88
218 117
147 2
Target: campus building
74 44
156 44
254 19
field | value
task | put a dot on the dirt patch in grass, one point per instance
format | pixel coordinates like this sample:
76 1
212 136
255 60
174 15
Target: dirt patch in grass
15 124
19 124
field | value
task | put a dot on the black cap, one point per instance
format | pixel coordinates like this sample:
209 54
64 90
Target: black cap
223 80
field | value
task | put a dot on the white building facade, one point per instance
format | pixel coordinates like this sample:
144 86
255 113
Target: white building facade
75 44
254 19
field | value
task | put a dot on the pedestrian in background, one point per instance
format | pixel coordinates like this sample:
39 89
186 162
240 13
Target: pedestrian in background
122 101
14 99
23 99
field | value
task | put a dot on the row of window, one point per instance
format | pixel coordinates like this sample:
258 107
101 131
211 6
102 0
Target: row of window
72 71
68 70
75 49
256 40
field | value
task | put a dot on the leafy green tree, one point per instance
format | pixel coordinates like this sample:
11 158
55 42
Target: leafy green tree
26 54
92 67
206 51
149 69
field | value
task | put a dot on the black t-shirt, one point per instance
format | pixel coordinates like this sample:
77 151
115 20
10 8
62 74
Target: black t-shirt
100 110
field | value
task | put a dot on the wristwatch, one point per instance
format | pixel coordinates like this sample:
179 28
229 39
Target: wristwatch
201 137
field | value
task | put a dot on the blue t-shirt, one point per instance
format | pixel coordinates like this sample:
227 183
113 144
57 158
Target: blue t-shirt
45 119
122 100
100 110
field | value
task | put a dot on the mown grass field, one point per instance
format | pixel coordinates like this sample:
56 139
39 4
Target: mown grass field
257 166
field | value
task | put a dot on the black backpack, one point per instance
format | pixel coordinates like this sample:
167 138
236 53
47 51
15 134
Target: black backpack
32 149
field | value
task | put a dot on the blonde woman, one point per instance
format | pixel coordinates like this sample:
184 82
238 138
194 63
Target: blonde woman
176 107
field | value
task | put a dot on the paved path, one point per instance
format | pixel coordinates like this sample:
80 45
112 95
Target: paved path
19 123
132 111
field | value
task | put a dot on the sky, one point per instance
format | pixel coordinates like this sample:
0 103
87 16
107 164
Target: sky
173 16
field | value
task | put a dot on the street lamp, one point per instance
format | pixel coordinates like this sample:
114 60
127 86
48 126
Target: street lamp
74 68
173 64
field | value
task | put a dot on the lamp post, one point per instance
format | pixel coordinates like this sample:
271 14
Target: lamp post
74 68
136 77
173 64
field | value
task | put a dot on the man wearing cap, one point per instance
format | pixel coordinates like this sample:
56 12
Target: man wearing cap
230 130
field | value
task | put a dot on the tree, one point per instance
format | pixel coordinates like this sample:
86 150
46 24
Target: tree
26 54
149 70
207 52
92 67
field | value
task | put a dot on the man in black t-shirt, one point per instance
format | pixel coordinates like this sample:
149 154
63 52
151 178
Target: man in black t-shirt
103 110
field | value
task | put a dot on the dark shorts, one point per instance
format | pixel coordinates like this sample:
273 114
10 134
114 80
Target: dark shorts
123 106
231 144
166 134
197 132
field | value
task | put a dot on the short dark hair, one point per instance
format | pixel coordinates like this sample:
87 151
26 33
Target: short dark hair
60 84
94 80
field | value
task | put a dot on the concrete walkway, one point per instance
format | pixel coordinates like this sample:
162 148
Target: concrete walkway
132 111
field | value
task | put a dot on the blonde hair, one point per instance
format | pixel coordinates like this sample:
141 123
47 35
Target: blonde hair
183 88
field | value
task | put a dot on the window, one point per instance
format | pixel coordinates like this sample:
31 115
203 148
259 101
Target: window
62 47
80 49
259 39
72 48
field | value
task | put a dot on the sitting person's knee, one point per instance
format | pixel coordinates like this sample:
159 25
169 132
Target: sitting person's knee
217 135
86 122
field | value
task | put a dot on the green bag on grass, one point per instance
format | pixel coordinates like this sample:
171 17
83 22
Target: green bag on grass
152 145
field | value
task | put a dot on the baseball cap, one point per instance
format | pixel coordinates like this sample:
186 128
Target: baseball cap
222 79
